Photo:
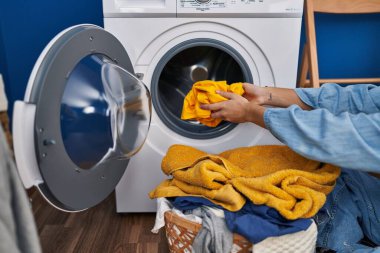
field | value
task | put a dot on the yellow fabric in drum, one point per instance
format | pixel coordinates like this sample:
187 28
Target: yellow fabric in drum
273 175
204 92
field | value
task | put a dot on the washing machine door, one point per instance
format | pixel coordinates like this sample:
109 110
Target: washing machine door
83 116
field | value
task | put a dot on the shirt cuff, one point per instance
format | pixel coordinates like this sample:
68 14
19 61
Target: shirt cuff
270 120
305 96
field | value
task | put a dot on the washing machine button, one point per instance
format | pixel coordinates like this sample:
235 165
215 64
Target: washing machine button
203 1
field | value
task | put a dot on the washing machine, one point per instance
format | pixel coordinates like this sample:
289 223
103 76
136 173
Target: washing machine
181 42
102 106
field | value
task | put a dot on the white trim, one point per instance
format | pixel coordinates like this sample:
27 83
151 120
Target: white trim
23 142
55 206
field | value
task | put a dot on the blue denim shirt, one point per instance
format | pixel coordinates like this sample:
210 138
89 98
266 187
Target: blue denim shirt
343 129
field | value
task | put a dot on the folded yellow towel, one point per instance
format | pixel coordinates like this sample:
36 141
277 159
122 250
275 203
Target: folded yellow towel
271 175
204 92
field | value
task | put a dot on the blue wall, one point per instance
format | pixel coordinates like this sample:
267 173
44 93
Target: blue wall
348 45
25 29
3 69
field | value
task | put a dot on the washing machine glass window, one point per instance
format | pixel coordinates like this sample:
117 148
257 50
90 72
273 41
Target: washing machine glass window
180 68
104 112
86 114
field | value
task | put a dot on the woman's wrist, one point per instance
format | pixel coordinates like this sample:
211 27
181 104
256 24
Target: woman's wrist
267 96
281 97
261 95
255 114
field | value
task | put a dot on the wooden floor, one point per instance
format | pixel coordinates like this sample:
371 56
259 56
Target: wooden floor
99 229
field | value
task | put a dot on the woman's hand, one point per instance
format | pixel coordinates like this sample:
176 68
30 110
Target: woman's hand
237 109
255 94
233 110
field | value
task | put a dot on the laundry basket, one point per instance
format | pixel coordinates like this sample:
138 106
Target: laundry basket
181 233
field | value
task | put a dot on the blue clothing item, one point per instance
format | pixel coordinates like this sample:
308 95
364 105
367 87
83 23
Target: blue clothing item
351 211
258 222
343 129
254 222
190 203
337 99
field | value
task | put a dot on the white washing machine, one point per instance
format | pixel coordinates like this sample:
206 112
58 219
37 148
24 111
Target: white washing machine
180 42
86 110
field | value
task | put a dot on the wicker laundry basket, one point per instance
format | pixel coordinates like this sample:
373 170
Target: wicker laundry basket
181 233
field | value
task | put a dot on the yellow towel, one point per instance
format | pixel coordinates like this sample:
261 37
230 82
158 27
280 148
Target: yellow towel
204 92
271 175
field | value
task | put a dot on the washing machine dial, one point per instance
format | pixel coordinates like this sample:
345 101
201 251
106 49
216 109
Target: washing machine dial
203 1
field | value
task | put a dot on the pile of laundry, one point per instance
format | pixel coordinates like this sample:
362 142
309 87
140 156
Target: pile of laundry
262 193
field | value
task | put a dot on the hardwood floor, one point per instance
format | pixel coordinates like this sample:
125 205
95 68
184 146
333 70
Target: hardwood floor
99 229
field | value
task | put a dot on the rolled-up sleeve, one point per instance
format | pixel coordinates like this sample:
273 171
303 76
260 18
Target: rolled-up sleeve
337 99
347 140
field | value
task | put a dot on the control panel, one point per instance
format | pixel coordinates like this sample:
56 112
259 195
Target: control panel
203 8
241 8
198 4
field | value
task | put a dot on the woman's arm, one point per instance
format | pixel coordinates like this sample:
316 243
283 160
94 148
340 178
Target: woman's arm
277 97
346 140
337 99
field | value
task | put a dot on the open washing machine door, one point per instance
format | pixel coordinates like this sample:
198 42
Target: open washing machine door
83 116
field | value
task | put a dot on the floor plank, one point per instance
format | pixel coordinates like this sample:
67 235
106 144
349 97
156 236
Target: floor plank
99 229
